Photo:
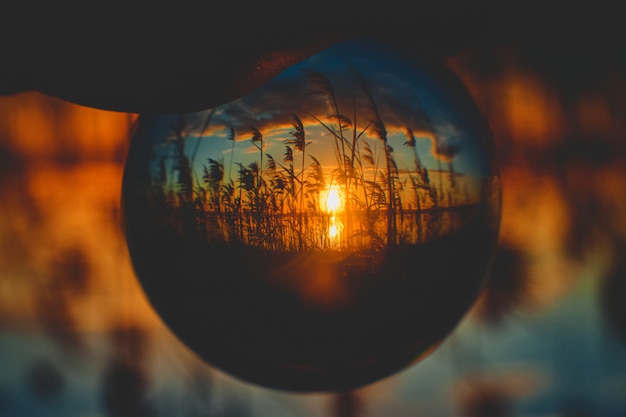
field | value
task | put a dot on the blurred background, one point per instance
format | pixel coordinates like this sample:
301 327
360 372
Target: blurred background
546 338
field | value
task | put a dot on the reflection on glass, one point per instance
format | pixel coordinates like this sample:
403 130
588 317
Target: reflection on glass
322 232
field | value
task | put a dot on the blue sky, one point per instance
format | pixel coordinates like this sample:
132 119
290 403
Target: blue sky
407 95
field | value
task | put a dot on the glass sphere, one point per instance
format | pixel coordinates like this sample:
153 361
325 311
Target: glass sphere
322 232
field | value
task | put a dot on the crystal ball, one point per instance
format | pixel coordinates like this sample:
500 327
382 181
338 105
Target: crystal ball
323 232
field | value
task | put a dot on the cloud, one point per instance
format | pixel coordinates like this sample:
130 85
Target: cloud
446 141
250 150
298 92
321 88
214 130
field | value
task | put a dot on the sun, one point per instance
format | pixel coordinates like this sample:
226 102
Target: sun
332 201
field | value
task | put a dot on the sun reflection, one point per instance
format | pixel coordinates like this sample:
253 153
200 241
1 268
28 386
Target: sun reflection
333 231
332 202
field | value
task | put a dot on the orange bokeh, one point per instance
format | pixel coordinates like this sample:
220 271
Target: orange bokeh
60 188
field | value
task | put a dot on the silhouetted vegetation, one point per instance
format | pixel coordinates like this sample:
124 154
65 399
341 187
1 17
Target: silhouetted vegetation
300 201
305 259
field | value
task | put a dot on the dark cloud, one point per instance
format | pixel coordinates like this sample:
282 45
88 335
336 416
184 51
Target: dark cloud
360 88
296 92
271 106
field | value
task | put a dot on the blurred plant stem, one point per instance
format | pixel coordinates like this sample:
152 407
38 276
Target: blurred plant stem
346 404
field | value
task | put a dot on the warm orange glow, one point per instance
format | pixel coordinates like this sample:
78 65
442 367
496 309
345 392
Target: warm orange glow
333 231
532 110
544 213
60 218
79 214
332 200
38 126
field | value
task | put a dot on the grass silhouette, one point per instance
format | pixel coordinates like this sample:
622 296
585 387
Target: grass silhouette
277 204
306 261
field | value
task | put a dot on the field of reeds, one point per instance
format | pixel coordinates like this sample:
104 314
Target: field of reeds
306 270
303 199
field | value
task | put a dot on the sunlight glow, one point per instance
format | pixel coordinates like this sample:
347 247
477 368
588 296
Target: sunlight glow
333 231
332 201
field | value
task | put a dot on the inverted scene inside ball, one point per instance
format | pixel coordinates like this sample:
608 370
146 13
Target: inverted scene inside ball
323 232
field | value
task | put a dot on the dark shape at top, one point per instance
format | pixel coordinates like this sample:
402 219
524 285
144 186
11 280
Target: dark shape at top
180 60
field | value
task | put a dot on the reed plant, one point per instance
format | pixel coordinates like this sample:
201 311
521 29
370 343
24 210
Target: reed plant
276 203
